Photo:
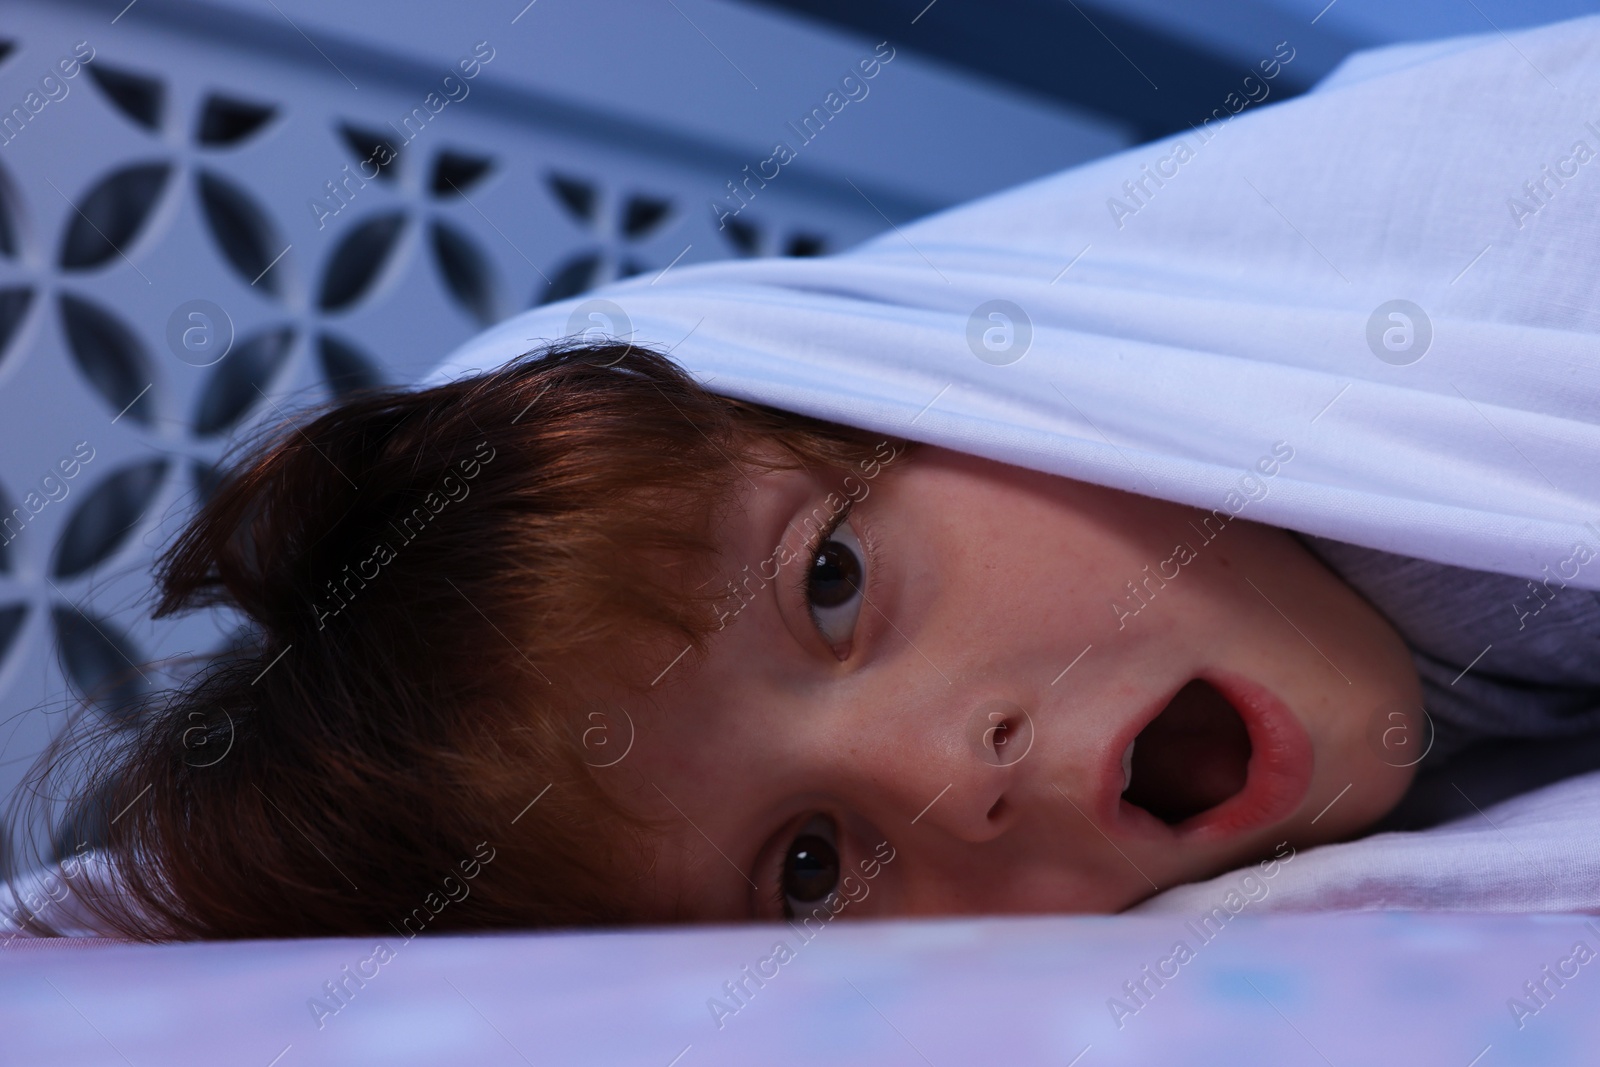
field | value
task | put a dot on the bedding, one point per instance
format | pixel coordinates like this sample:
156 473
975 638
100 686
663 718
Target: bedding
1285 990
1532 853
1246 302
1498 656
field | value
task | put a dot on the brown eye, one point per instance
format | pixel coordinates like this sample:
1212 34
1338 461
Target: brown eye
835 575
811 866
834 586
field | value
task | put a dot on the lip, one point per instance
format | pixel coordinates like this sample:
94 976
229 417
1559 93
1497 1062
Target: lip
1278 775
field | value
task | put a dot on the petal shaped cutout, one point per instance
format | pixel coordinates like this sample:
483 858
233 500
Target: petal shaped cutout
575 275
111 215
241 379
6 48
456 172
805 244
106 517
10 214
579 196
12 616
11 527
643 214
466 271
111 357
14 304
359 259
373 148
745 237
243 233
346 368
100 660
137 96
227 120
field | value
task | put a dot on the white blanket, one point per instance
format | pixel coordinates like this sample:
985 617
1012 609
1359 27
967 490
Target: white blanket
1189 307
1537 852
1178 332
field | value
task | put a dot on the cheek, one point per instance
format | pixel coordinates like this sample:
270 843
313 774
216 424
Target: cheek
1332 657
1050 869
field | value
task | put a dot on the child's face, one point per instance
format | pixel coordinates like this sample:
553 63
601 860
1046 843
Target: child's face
950 761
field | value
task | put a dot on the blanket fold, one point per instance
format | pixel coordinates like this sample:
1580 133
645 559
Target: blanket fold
1394 275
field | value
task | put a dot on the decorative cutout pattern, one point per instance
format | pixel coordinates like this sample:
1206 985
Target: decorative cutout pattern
105 518
465 271
207 480
111 215
576 275
475 207
111 357
241 380
456 172
227 121
242 232
12 617
376 147
345 368
139 97
101 662
805 244
13 309
639 217
749 239
10 239
6 535
577 195
642 215
359 260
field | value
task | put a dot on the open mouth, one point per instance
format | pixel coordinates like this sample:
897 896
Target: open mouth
1190 758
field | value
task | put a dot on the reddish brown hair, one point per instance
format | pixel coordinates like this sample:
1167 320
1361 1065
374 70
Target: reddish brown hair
534 530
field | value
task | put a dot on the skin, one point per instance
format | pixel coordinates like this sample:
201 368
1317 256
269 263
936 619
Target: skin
985 582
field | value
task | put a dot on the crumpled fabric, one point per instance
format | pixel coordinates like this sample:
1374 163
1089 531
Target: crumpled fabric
1170 314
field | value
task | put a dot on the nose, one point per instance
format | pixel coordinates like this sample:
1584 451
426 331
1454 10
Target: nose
962 785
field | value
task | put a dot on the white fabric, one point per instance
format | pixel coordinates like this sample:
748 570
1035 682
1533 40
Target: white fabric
1536 852
1229 312
55 895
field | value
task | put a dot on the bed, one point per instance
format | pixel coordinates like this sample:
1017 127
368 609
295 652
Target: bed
1313 990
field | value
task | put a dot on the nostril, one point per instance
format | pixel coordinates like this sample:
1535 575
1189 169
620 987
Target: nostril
1012 738
997 810
1000 732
